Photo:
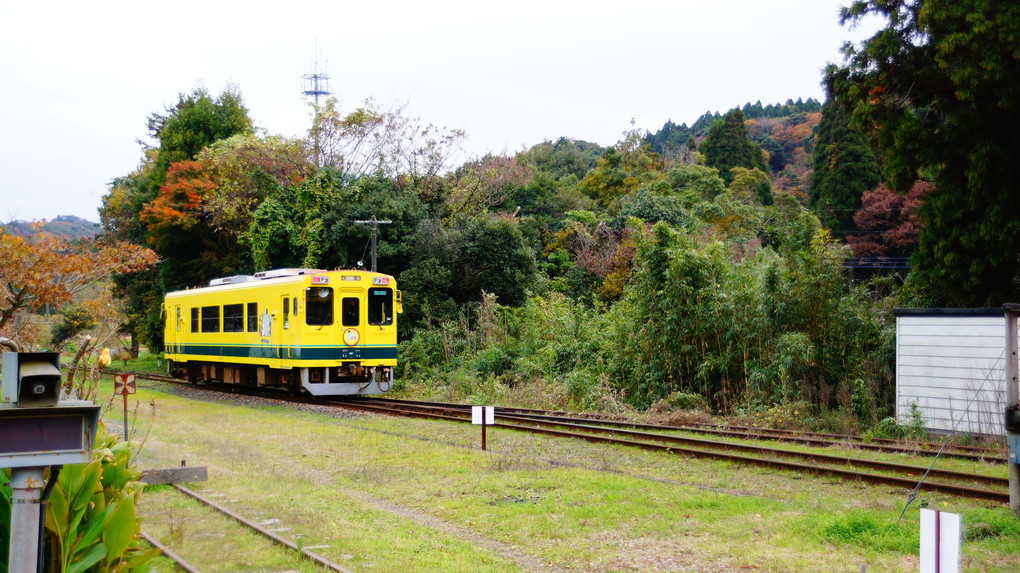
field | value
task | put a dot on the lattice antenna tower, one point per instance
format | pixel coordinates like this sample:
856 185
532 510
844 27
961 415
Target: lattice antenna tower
316 84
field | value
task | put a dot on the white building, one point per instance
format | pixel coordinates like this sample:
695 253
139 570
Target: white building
950 363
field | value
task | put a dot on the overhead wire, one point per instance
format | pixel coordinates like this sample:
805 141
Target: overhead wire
913 493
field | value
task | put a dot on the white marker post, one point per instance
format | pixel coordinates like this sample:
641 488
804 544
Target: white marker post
483 416
940 542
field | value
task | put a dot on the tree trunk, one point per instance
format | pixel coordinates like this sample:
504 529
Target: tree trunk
71 370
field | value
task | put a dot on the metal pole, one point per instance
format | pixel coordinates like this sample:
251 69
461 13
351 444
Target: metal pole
1012 399
375 225
26 489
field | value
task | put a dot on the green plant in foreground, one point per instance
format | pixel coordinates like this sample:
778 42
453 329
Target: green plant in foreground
91 513
5 517
90 518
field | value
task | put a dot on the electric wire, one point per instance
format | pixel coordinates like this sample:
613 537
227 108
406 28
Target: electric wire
913 493
361 260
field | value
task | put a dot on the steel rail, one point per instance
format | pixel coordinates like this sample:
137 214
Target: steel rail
806 438
265 532
460 413
906 482
1002 497
807 456
180 561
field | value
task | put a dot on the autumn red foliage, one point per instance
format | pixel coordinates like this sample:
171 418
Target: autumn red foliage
179 205
888 222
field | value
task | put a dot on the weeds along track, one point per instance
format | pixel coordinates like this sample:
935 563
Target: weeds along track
979 486
815 439
246 523
679 440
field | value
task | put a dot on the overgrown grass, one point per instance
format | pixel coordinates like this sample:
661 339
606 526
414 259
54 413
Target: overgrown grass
418 495
146 362
873 532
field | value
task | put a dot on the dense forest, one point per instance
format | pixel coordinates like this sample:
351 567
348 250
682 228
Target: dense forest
681 267
694 267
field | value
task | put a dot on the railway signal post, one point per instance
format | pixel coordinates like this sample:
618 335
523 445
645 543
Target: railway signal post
1012 406
124 384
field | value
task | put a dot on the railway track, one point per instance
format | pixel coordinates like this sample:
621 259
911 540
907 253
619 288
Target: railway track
814 439
965 484
656 438
246 523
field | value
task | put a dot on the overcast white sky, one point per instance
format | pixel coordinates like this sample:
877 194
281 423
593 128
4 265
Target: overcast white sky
78 79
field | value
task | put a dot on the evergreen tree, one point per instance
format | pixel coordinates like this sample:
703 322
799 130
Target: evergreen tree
845 167
729 145
195 122
937 88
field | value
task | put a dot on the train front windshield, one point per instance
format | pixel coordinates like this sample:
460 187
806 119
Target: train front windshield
380 306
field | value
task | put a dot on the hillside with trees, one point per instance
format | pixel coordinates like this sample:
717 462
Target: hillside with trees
584 276
699 266
68 226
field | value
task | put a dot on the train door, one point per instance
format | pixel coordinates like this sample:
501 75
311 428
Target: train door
175 330
351 305
287 326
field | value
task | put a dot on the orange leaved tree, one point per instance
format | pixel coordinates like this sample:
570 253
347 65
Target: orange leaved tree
46 269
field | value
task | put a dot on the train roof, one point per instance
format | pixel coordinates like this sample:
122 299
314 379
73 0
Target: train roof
261 276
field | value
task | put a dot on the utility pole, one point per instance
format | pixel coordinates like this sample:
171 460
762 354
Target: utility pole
1012 406
375 224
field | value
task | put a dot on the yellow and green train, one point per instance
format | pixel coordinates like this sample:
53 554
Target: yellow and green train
328 332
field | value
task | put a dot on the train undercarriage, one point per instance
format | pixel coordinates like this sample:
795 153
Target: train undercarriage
346 379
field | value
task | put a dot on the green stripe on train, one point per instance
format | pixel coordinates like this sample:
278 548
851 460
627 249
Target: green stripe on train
271 352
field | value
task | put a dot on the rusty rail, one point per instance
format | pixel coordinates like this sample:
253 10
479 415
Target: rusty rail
256 527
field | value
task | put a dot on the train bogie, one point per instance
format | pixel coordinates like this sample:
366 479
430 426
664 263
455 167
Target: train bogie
327 332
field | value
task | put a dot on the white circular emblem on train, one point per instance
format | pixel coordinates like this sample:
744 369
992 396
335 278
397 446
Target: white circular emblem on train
351 336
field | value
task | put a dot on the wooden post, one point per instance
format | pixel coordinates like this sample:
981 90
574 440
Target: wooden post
1012 399
375 225
938 542
125 393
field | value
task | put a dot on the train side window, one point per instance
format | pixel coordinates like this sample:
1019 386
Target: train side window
380 306
210 319
194 319
233 318
294 304
178 319
286 313
350 311
253 317
319 306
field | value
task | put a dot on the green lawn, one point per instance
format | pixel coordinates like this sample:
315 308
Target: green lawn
391 494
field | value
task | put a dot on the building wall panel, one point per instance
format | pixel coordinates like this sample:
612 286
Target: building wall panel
950 370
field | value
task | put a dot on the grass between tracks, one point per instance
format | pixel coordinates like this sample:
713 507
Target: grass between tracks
388 494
